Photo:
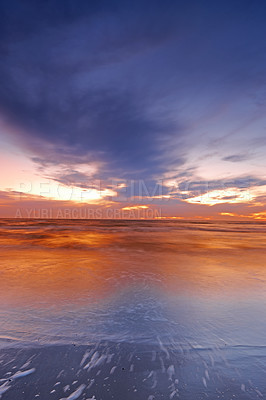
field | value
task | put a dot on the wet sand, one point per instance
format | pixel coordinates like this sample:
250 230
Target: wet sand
128 371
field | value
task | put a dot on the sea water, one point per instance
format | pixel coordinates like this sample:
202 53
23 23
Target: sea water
132 309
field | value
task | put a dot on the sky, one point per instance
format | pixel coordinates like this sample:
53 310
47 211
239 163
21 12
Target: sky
135 109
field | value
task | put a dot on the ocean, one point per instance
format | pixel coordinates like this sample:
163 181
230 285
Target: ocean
116 309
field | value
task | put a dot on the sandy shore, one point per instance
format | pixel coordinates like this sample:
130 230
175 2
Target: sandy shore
129 371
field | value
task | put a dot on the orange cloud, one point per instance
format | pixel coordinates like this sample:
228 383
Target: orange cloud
129 208
228 214
257 215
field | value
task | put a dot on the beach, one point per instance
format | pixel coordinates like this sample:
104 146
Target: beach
132 309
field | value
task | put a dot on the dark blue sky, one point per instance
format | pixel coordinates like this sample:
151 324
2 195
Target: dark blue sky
141 89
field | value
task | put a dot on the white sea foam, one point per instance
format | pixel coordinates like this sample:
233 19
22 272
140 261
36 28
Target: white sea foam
4 388
21 374
75 395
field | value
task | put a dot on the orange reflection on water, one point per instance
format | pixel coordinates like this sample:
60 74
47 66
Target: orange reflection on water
63 263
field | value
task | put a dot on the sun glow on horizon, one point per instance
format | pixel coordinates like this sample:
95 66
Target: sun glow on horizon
232 195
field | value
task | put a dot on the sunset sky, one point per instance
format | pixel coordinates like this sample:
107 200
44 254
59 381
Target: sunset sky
133 106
